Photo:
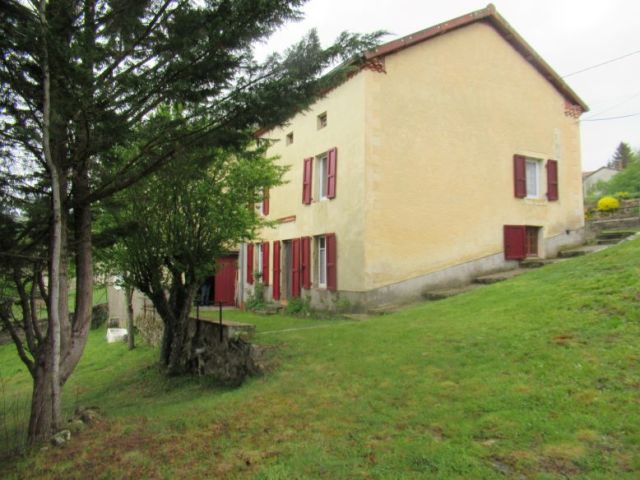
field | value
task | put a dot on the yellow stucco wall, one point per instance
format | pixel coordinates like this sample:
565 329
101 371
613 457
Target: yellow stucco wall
342 215
442 126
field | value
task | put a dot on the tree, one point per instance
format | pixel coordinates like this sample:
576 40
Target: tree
79 79
628 180
622 157
180 221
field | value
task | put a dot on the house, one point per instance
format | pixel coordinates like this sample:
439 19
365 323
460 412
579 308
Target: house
591 179
453 152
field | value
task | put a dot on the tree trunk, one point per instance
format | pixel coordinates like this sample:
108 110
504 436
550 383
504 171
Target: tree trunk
130 334
41 422
46 402
179 355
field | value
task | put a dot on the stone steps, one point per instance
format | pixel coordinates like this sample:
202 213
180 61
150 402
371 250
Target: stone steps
499 276
536 262
442 293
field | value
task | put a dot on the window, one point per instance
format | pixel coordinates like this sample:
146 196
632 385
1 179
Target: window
260 261
326 255
321 176
321 248
533 178
322 120
529 180
325 172
289 138
520 241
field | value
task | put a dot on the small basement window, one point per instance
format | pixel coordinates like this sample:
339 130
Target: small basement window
289 138
322 120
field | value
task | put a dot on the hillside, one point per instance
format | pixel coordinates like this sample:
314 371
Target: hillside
537 377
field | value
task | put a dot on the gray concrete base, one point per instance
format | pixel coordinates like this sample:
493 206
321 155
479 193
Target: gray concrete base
412 290
571 238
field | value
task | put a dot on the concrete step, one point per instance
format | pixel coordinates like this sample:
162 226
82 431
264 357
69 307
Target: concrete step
615 234
607 241
384 309
442 293
575 252
498 277
536 262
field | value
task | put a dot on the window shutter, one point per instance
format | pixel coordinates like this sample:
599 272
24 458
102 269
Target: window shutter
295 267
306 262
250 263
265 263
306 180
276 270
265 201
331 262
332 165
552 180
519 176
515 242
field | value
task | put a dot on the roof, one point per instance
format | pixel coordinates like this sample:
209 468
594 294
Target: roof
490 16
586 175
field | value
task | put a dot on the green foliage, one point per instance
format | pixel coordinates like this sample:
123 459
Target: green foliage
622 157
299 306
256 300
622 195
536 376
606 204
627 180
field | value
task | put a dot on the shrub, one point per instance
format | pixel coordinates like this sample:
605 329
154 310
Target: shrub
256 300
606 204
299 306
622 195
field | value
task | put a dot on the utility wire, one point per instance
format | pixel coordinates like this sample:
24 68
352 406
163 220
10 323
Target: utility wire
601 64
609 118
623 102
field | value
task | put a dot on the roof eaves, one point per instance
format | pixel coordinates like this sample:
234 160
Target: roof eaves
491 15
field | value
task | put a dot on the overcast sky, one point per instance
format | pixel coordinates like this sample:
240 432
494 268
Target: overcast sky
569 34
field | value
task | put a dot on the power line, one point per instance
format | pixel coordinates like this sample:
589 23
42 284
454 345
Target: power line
601 64
622 102
609 118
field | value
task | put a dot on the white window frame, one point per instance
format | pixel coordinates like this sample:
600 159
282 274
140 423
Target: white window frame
321 260
258 269
322 177
533 191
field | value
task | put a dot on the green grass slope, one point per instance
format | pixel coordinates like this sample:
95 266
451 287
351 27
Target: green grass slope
538 377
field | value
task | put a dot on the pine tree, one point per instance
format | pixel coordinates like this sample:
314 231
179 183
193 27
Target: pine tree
622 157
79 80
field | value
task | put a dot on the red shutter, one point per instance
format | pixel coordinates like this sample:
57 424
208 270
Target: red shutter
552 180
295 267
306 262
265 201
250 263
306 180
331 262
265 263
515 237
332 166
519 176
276 270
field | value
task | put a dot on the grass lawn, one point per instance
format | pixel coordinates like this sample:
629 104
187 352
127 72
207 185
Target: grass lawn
538 377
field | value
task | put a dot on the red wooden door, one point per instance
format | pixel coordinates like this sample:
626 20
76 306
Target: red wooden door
225 281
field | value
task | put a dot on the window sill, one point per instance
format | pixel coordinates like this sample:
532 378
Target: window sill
535 201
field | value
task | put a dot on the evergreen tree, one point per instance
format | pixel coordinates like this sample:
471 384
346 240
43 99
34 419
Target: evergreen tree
622 157
79 79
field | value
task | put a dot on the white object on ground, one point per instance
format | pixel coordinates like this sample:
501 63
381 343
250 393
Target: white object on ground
116 334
